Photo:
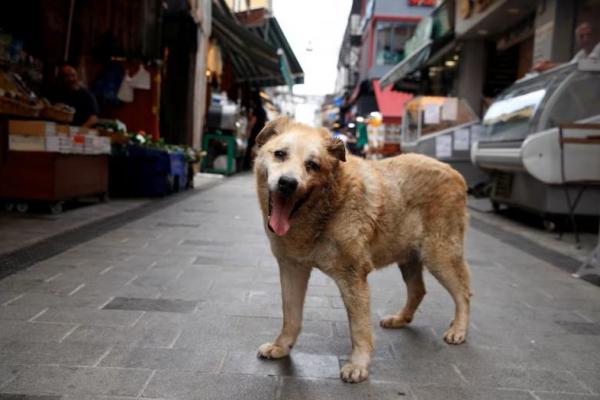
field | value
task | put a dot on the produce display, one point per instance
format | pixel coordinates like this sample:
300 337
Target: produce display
16 98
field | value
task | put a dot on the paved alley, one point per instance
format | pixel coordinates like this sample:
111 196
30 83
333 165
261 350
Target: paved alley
174 306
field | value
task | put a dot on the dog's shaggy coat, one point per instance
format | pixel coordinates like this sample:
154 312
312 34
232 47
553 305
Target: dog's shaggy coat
347 216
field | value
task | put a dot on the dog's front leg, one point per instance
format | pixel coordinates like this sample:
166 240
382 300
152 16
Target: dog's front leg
356 296
294 280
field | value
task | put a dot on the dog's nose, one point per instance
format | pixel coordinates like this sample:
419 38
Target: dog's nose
287 186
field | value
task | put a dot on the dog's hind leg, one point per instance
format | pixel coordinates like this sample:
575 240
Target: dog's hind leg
452 272
412 273
294 281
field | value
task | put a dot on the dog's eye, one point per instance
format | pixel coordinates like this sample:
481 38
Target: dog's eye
280 154
312 166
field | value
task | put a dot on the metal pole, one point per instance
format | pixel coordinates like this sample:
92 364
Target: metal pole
69 26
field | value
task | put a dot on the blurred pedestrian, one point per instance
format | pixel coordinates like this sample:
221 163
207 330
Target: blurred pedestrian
257 118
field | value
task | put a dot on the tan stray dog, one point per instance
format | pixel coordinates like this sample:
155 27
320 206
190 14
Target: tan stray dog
347 216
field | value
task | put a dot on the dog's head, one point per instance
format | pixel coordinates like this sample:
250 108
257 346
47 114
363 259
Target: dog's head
296 161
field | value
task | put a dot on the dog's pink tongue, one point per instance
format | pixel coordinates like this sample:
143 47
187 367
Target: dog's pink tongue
279 220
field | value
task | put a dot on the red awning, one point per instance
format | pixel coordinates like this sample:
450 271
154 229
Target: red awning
390 103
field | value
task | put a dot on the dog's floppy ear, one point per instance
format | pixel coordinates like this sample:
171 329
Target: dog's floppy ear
337 148
273 128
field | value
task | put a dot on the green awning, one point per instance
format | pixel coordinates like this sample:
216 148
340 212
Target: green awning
253 59
407 66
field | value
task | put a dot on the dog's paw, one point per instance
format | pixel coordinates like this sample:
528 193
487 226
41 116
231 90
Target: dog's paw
394 322
271 350
354 373
455 335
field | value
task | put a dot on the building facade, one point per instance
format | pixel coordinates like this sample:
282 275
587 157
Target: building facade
491 44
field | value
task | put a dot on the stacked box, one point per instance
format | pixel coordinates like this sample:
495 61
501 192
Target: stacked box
78 144
26 143
59 144
97 145
52 137
31 128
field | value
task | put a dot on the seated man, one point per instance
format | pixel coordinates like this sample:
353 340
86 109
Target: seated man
71 92
585 43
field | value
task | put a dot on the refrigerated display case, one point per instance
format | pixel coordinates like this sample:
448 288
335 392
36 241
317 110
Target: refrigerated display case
541 142
443 128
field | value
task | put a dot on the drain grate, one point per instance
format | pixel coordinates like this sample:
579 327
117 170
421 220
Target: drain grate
27 256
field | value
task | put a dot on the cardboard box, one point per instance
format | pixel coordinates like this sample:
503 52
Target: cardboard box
31 128
26 143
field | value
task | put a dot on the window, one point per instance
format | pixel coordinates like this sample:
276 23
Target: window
391 37
510 116
577 98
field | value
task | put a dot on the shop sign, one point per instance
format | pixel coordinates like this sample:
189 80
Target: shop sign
461 139
443 146
421 3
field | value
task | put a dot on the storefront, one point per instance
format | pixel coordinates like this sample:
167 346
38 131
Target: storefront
120 55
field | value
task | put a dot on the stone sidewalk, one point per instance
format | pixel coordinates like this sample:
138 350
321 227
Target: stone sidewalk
175 305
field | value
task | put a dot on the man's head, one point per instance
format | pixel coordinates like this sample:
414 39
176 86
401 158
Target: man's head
68 77
583 36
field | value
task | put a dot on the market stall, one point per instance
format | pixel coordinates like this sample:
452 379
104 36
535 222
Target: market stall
444 128
43 159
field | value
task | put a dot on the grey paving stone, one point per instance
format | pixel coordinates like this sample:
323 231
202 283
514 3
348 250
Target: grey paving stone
18 284
195 386
272 326
330 389
564 396
140 304
148 335
102 397
211 243
589 378
54 300
468 393
385 368
73 354
8 296
176 225
70 380
90 317
518 377
297 364
11 331
577 360
9 372
164 359
7 396
19 313
580 328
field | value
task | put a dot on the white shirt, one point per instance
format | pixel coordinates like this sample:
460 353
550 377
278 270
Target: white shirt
595 53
